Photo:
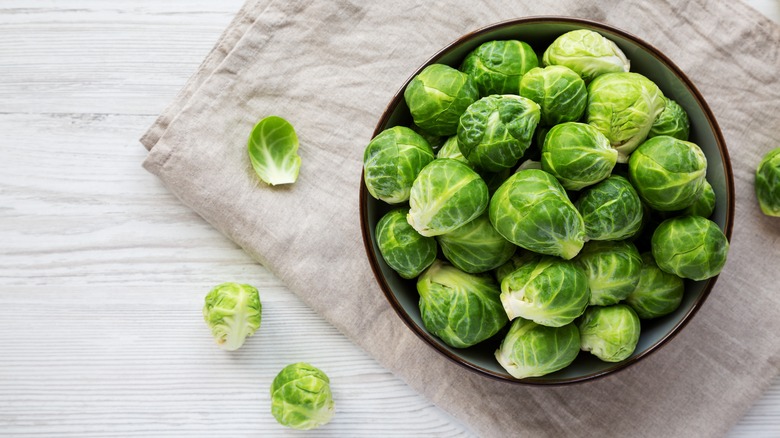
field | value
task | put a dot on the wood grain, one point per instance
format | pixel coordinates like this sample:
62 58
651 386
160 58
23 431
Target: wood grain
103 271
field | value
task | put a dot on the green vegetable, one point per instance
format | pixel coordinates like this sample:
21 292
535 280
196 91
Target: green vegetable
461 309
612 268
531 210
623 106
611 209
392 161
495 131
610 333
673 121
586 52
548 291
578 155
559 91
704 205
438 96
657 293
273 151
403 248
446 195
233 312
301 397
476 246
451 150
690 247
533 350
497 66
767 183
520 258
668 173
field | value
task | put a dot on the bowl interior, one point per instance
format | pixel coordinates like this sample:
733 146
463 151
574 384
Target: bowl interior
539 32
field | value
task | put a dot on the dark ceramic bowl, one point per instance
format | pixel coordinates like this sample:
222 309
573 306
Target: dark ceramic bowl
539 32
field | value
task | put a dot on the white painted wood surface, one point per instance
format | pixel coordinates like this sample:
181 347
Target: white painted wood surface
103 271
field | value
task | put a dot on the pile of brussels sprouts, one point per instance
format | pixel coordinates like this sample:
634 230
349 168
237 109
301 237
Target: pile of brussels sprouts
523 192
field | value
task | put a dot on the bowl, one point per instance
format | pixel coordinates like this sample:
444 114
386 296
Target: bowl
539 32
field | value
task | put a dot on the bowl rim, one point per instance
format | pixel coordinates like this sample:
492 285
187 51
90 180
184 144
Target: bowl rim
727 229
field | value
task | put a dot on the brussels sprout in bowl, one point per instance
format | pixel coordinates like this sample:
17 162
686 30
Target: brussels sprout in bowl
703 131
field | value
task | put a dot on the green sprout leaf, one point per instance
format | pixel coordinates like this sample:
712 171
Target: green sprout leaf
273 149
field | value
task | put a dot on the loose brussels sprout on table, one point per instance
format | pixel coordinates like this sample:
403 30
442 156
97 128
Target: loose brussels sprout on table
273 151
476 246
610 333
403 248
767 183
233 312
392 161
578 155
301 397
533 350
497 66
612 268
461 309
559 91
438 96
690 247
586 52
611 209
657 293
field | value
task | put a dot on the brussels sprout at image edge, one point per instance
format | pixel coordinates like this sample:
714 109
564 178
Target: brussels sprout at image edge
657 293
476 247
690 247
623 107
667 173
459 308
578 155
548 291
391 162
301 397
438 96
588 53
531 210
273 151
497 66
767 183
673 121
609 333
403 248
495 131
704 205
611 209
533 350
446 195
559 91
233 312
612 268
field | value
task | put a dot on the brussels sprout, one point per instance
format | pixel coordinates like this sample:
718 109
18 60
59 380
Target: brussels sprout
577 154
623 107
233 312
273 151
612 268
461 309
529 164
446 195
668 173
392 161
611 209
451 150
533 350
673 121
532 211
438 96
496 130
403 248
497 66
609 333
548 291
476 246
301 397
704 205
494 179
586 52
690 247
767 183
520 258
559 91
436 141
657 293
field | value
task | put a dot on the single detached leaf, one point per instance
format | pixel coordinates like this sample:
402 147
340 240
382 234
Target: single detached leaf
273 150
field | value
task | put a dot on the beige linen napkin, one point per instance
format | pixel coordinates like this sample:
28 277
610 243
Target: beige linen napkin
331 67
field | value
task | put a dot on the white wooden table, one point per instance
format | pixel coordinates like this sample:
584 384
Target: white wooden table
103 271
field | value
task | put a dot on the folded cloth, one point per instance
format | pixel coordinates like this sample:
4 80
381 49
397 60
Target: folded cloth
331 67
